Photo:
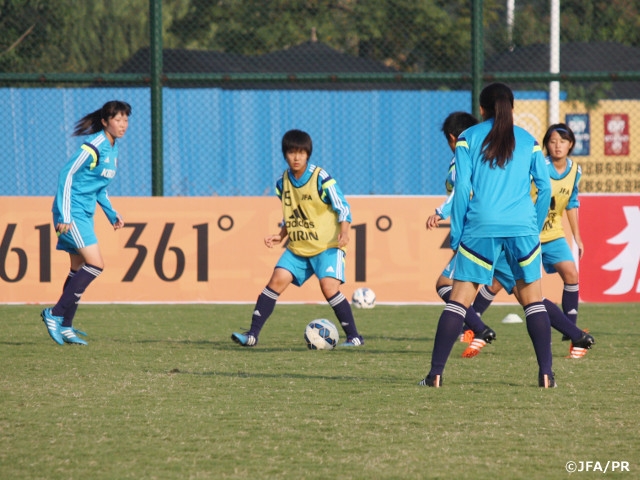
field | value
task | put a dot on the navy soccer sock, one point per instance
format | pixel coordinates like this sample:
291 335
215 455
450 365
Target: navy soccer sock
264 308
344 314
449 325
68 302
472 320
560 322
539 328
483 299
570 299
70 275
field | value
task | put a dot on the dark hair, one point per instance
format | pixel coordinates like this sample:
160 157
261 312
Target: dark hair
296 140
498 146
457 122
564 131
92 122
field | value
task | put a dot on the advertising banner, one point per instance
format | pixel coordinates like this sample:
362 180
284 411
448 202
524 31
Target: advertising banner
210 249
610 229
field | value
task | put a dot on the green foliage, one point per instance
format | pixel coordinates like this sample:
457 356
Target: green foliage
580 21
162 392
414 36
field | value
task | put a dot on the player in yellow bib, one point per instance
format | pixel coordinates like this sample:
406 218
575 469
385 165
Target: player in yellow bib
316 220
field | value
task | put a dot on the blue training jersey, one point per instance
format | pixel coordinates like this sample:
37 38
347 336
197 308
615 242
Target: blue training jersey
501 205
328 189
84 179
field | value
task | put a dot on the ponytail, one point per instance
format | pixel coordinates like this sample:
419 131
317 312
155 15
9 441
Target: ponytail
498 146
92 122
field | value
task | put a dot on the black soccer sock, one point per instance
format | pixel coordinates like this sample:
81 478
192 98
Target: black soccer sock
449 326
264 308
344 314
472 320
539 328
560 322
483 299
70 275
570 300
68 302
444 292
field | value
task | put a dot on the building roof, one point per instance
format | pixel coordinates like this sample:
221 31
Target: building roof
308 57
575 57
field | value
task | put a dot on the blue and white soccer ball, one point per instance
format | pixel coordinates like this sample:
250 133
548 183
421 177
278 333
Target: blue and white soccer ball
363 297
321 334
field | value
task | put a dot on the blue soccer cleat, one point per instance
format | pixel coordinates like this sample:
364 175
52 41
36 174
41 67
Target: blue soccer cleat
75 330
69 336
245 339
53 325
353 342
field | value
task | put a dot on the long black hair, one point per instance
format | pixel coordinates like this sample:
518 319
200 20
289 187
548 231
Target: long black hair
498 146
92 122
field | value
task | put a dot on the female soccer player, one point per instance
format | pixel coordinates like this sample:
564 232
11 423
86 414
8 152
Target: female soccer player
496 160
82 183
475 332
565 177
316 221
565 174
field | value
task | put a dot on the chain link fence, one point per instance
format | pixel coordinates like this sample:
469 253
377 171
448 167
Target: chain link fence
370 81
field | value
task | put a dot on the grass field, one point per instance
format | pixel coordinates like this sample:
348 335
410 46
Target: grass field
161 392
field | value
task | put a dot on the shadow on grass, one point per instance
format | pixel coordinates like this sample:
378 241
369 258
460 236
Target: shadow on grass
297 376
230 346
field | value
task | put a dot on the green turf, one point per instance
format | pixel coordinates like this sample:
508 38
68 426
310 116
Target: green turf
162 392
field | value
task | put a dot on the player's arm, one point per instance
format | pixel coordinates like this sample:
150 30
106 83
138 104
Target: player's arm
343 236
105 203
277 238
442 212
572 216
63 198
460 202
331 194
572 213
540 176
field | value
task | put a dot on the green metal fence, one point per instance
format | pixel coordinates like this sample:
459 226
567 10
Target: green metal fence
344 46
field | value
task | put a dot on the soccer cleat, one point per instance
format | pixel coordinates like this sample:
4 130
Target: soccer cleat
429 381
245 339
353 342
547 380
479 342
75 330
69 336
578 349
53 325
467 336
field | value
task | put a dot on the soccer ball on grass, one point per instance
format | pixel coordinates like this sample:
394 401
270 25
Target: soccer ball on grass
321 334
363 297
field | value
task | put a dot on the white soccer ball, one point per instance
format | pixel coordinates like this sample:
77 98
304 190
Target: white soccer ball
321 334
363 297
